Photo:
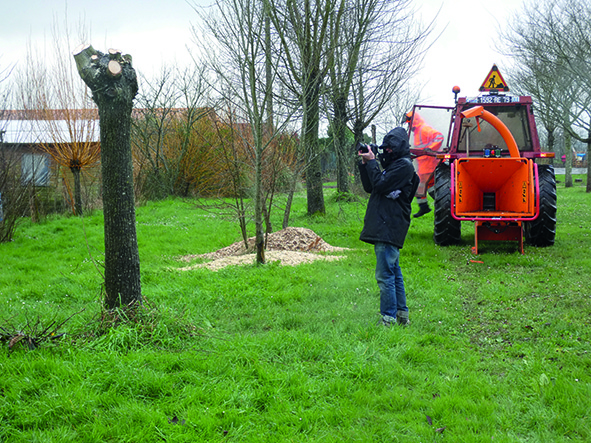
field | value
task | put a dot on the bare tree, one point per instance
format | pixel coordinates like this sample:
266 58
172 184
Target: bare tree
524 40
542 82
380 48
156 104
60 109
167 115
113 83
14 194
357 19
243 79
551 42
308 33
193 98
388 61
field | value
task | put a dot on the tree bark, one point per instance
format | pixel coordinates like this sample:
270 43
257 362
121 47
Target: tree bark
77 191
310 127
551 140
288 204
568 164
259 234
258 194
344 154
33 203
113 83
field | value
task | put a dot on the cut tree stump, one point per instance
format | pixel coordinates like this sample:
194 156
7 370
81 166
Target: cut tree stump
113 83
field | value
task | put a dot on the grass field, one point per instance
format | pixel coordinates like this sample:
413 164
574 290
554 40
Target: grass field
497 351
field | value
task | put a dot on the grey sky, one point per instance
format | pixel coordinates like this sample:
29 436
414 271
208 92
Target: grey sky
157 32
153 32
467 49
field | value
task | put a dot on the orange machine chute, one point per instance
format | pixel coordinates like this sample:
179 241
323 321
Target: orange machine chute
480 112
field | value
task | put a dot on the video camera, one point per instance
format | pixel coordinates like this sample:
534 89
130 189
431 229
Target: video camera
364 148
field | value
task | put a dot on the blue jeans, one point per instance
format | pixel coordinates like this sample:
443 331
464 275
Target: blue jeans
389 278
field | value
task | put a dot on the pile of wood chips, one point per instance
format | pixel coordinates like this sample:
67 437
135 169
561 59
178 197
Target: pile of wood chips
291 246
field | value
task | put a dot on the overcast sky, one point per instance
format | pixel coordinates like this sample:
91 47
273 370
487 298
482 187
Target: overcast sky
158 32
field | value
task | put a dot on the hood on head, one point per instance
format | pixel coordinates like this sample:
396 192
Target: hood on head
395 144
417 121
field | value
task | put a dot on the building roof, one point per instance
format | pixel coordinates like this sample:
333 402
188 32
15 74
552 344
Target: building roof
63 125
59 131
50 126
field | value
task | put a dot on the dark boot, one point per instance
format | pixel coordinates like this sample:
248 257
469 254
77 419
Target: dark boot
423 209
402 318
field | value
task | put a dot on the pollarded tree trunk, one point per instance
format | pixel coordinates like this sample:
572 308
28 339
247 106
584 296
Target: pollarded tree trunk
113 83
344 154
568 164
77 190
310 127
259 204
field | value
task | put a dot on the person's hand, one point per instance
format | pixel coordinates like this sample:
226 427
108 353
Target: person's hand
367 156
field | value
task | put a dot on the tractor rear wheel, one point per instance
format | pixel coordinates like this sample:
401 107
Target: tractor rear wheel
542 230
447 230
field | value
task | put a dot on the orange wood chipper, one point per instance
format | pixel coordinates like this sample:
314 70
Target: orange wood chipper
487 169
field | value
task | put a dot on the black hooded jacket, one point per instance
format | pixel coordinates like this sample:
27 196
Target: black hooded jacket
387 218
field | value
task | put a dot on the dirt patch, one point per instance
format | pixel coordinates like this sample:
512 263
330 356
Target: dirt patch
290 246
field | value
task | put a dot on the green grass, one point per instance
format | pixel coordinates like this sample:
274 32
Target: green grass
496 351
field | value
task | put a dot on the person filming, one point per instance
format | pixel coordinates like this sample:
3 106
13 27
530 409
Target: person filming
387 218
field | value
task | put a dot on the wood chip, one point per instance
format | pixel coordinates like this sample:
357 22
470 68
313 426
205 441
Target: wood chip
290 246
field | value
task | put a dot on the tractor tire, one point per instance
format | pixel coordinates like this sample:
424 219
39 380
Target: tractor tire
542 230
447 230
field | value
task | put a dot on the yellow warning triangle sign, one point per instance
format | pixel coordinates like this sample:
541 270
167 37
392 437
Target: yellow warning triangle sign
494 81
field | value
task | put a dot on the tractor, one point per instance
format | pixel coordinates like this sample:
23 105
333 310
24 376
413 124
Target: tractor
485 165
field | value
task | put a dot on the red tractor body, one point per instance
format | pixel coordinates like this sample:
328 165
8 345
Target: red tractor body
484 169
